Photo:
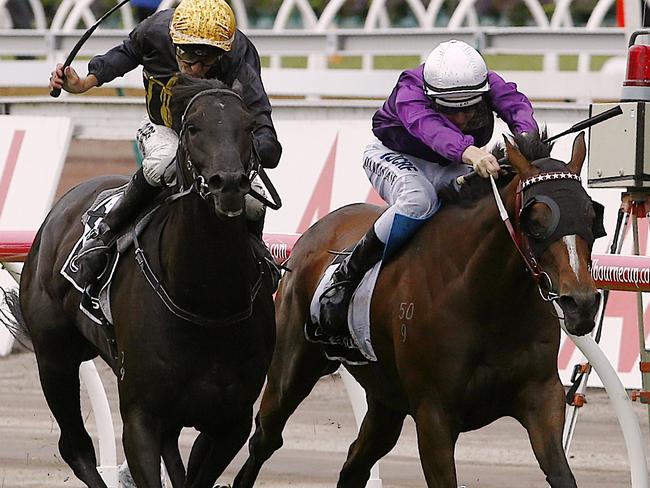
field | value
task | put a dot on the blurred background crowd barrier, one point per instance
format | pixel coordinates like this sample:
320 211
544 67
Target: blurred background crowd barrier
319 48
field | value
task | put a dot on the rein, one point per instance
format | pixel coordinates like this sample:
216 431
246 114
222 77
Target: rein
544 282
162 293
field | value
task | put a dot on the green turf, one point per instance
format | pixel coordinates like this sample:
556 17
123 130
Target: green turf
498 62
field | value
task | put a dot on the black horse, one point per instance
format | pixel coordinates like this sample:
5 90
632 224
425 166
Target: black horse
199 360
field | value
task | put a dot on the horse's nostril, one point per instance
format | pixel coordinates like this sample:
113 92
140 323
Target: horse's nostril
585 302
568 303
216 182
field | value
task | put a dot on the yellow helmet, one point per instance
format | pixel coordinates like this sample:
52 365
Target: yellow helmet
209 22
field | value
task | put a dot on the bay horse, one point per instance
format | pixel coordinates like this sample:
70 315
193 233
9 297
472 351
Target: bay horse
199 359
461 332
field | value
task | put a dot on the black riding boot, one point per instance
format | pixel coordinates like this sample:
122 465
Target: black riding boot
261 252
93 255
335 299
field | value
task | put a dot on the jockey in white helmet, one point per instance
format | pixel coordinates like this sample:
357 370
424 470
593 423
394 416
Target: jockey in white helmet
429 131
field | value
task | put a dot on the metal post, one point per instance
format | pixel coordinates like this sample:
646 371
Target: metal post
639 204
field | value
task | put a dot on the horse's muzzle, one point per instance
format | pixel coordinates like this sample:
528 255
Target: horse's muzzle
227 190
580 310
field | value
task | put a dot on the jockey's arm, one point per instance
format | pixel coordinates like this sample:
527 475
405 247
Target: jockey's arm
264 136
512 106
116 62
101 69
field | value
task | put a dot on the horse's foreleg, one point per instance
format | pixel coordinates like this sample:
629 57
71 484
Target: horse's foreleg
379 433
172 456
59 376
211 453
292 376
141 436
436 443
542 415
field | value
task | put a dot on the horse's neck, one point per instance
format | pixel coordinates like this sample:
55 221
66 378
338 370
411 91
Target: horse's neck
200 249
496 260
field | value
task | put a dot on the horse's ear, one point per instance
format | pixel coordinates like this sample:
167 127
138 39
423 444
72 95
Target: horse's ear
516 159
578 154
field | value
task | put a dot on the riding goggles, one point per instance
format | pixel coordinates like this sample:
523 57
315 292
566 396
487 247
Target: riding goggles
443 108
192 54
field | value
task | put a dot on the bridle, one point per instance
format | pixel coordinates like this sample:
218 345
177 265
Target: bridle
520 240
190 180
194 184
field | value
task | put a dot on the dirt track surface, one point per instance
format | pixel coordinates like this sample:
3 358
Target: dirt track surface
318 434
316 440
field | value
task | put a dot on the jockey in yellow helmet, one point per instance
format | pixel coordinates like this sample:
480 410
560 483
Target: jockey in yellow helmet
199 38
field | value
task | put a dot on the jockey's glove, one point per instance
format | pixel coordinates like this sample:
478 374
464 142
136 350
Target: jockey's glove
484 163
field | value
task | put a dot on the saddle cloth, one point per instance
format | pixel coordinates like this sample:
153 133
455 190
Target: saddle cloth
95 299
356 347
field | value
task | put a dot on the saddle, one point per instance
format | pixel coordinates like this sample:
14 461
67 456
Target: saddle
354 347
95 296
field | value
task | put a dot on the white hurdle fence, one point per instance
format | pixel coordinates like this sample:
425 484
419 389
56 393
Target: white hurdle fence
297 30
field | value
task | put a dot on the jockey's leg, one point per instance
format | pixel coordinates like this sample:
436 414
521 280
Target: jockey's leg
158 146
335 299
255 215
402 182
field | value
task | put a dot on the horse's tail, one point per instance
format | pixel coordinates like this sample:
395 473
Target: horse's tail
14 320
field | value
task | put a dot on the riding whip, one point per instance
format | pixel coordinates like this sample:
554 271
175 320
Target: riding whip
577 127
55 92
584 124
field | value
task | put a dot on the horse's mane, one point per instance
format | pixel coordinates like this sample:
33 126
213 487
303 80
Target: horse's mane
531 145
183 90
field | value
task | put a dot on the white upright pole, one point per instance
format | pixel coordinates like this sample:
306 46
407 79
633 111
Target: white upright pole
632 10
357 397
104 421
621 403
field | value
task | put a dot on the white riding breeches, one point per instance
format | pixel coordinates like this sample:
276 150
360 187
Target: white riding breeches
408 184
158 145
255 210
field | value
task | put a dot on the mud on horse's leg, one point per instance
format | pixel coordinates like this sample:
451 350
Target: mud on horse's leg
541 412
379 433
436 442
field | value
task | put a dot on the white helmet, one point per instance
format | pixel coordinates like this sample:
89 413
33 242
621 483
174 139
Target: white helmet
455 75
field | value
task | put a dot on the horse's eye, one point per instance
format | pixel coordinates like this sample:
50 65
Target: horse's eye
192 129
536 221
